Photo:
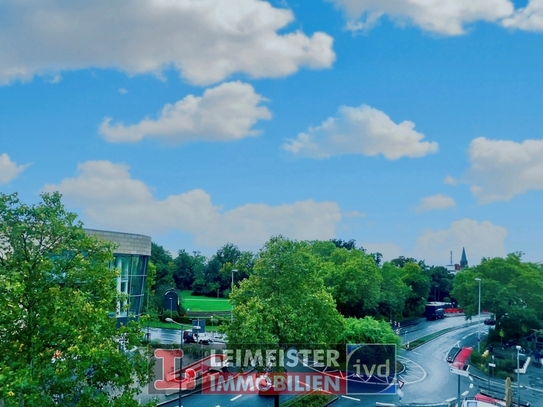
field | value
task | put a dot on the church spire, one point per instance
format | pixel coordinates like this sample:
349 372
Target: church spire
464 259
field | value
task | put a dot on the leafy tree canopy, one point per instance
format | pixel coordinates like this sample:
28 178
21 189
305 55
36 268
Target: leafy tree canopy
509 287
284 300
58 343
368 330
354 280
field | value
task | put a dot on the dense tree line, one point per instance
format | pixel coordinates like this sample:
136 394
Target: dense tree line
360 283
510 288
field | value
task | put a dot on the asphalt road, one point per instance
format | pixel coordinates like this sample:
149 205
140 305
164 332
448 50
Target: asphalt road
426 377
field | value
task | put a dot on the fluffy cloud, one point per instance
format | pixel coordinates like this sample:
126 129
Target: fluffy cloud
447 17
206 40
226 112
110 198
361 130
8 169
434 202
388 250
529 18
482 239
501 169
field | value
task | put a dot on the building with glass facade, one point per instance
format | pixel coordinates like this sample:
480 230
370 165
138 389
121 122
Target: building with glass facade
131 257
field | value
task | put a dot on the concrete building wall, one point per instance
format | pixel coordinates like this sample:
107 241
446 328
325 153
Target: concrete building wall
128 243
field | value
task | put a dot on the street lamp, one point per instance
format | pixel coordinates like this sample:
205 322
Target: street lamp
518 375
231 291
479 322
180 359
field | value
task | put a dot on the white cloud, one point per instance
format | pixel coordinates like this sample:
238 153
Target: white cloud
529 18
226 112
446 17
501 169
388 250
435 202
8 169
450 180
57 78
122 91
361 130
206 40
480 239
354 214
111 199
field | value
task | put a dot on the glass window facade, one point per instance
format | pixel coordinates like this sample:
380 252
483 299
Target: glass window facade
130 258
130 283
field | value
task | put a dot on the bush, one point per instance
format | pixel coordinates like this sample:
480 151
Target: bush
309 400
506 365
476 358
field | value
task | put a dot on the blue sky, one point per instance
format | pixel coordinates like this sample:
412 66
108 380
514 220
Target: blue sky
413 127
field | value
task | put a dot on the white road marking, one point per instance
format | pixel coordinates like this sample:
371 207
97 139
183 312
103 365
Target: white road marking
350 398
473 333
237 397
409 364
450 400
465 393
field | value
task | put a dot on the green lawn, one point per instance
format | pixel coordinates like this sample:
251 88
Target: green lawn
199 303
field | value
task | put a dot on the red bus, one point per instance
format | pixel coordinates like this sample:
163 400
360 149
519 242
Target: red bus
461 359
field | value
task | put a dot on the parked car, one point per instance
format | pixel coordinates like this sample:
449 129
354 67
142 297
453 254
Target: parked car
490 321
201 338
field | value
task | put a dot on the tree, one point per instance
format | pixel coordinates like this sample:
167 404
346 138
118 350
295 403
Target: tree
214 278
510 288
58 343
394 292
441 283
414 277
402 261
163 262
368 330
354 280
284 300
187 267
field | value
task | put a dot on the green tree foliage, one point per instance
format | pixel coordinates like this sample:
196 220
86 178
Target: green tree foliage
441 283
149 307
419 283
187 268
163 261
393 292
215 278
368 330
510 288
284 300
163 264
354 280
56 292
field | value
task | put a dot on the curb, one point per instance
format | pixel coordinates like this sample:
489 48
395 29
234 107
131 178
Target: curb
438 334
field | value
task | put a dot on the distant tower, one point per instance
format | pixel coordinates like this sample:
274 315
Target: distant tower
464 259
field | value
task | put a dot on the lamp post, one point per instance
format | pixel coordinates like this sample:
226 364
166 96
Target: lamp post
518 375
231 291
180 359
479 322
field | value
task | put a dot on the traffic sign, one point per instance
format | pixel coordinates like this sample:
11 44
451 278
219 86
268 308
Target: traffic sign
459 372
